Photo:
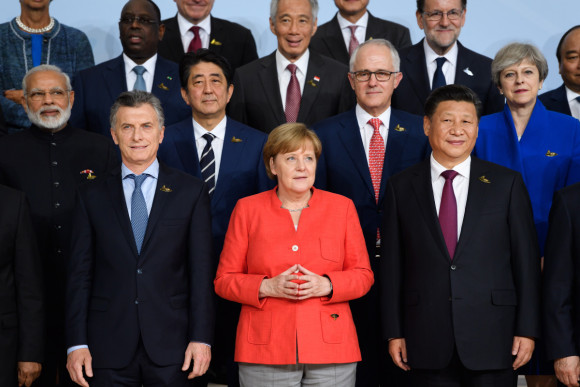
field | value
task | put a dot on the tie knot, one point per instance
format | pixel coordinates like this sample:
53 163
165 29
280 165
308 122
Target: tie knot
209 137
195 30
139 179
449 174
352 29
440 61
292 67
375 123
139 70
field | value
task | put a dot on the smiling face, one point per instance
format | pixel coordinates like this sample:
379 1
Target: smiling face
53 110
452 132
194 10
138 135
442 34
570 60
140 40
293 27
520 83
295 170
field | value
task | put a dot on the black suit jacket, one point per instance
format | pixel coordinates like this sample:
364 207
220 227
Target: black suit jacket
556 100
477 301
230 40
163 295
473 70
328 39
3 129
21 306
257 103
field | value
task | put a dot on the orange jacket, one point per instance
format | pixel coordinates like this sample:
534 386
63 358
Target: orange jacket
261 242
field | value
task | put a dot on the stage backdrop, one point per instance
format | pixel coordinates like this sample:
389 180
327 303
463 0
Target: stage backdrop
490 24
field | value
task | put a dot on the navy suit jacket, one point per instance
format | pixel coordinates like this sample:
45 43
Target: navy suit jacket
230 40
473 70
97 88
556 100
242 172
257 102
328 39
163 295
343 167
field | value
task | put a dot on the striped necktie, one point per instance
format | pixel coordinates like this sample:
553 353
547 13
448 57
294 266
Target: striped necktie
207 163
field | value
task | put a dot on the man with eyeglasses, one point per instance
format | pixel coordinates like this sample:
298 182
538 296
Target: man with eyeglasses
439 59
362 149
137 68
48 162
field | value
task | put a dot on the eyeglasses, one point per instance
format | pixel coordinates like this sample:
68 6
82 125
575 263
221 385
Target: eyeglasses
128 20
454 14
365 76
56 94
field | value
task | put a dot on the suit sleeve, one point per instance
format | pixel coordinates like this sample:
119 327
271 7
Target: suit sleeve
28 281
559 282
574 169
77 117
264 182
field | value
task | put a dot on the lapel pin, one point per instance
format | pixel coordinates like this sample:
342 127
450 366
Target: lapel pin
170 78
163 87
89 173
234 139
334 316
215 43
468 71
399 128
165 189
551 154
484 179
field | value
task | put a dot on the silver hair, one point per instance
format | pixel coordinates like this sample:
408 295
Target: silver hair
515 53
135 99
378 42
45 67
274 10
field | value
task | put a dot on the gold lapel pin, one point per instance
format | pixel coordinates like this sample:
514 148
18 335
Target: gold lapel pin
399 128
551 154
215 43
234 139
334 316
165 189
484 179
311 83
89 173
163 87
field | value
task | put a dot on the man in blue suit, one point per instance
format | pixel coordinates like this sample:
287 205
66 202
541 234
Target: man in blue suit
362 149
237 169
566 98
140 300
138 68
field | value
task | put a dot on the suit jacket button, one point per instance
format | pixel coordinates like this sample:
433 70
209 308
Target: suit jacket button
136 302
54 163
295 248
139 271
453 267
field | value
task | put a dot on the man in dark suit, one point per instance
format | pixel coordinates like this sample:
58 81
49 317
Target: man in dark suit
206 81
3 129
440 59
21 309
193 28
461 269
138 68
353 25
292 84
346 167
566 98
140 301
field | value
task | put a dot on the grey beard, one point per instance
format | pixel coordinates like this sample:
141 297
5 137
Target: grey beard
50 123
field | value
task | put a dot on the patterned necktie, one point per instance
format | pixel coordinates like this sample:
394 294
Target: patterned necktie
139 215
353 44
195 44
207 163
448 212
376 156
140 82
438 77
292 95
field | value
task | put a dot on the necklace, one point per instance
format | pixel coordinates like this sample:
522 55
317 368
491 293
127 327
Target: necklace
295 209
42 30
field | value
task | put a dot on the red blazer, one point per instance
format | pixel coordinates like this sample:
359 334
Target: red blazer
261 242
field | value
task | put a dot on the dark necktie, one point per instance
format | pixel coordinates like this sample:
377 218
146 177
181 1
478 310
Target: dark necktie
195 44
207 163
353 44
292 95
448 212
140 82
438 77
577 98
139 215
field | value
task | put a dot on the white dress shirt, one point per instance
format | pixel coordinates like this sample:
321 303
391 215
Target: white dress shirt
448 67
148 75
217 143
359 33
574 104
284 74
460 187
187 35
366 129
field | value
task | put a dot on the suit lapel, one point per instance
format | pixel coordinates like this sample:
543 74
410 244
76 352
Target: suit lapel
335 42
463 73
232 154
395 144
187 148
373 29
114 77
268 76
172 37
217 36
311 88
415 64
562 99
117 199
162 81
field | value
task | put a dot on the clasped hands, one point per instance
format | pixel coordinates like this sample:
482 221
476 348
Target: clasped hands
296 283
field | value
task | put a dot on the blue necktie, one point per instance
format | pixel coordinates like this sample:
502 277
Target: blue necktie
438 77
140 82
207 163
139 215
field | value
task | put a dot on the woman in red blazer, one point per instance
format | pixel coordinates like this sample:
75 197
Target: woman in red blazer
293 257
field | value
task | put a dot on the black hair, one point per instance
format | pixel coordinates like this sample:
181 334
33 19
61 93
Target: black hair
203 55
457 93
558 55
421 5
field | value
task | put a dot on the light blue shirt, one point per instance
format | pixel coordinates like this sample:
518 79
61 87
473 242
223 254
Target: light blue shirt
148 187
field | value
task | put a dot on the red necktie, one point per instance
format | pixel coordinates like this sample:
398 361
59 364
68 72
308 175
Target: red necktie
196 42
292 95
376 159
353 44
448 212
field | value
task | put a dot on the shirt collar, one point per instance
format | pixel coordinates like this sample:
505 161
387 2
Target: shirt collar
152 170
301 63
149 64
462 168
571 95
343 23
431 55
219 131
185 25
362 116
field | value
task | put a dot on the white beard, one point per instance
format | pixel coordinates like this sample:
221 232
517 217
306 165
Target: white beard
50 123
